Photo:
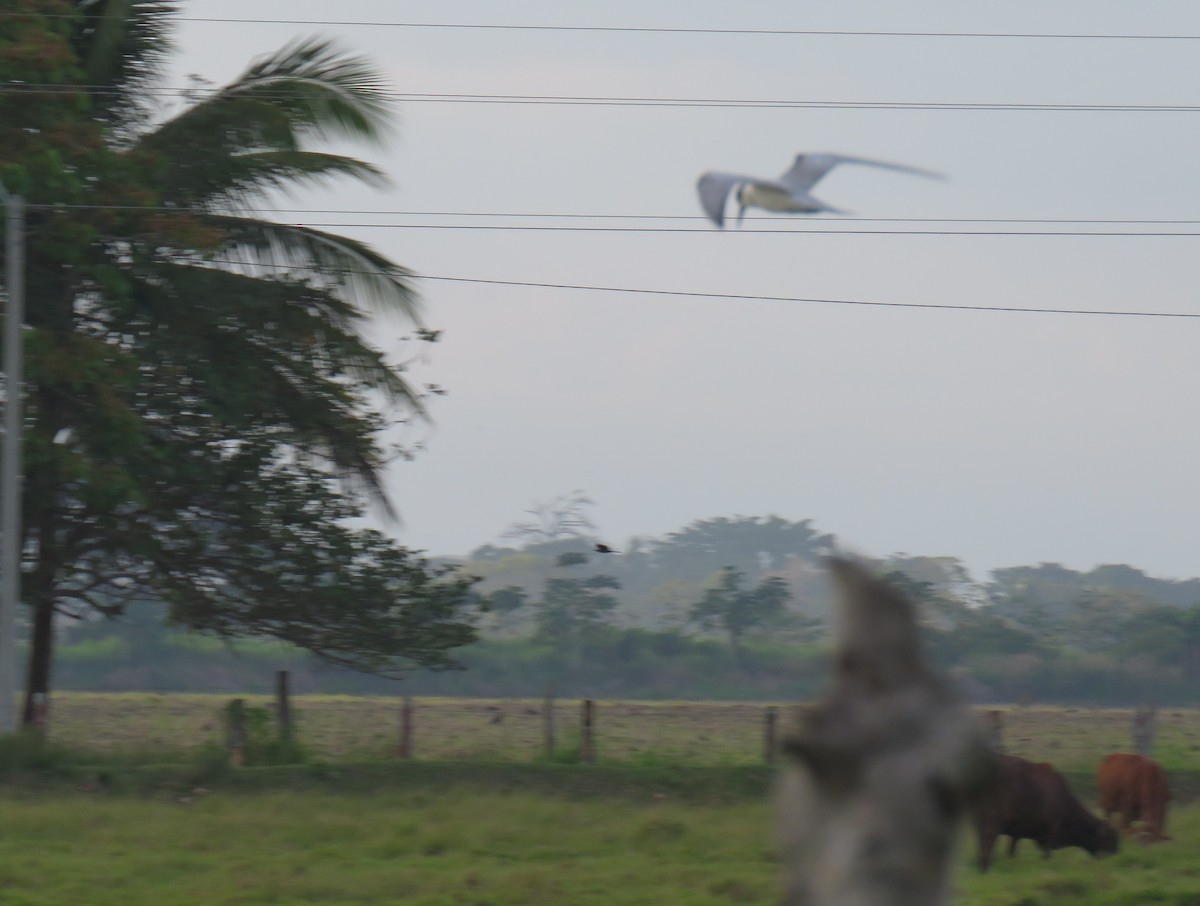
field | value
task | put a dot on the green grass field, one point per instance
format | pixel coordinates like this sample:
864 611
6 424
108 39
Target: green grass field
674 812
472 849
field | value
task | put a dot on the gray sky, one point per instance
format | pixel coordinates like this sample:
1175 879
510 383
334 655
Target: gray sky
1000 438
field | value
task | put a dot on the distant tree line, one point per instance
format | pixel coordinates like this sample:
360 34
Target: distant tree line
724 608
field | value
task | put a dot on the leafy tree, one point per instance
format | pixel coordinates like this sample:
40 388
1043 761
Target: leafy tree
204 415
729 608
948 577
753 545
935 606
1170 635
506 604
572 609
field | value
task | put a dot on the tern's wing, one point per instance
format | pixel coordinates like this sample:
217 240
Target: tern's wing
714 189
809 168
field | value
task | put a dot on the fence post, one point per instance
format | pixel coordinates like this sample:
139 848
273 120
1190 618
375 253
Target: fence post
548 721
406 728
587 751
995 730
1143 730
39 709
283 706
770 721
236 732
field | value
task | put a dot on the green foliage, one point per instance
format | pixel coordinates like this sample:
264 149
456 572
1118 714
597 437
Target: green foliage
571 608
472 845
205 415
265 744
26 752
735 611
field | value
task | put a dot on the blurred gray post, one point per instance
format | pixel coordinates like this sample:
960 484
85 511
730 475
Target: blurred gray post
10 466
877 777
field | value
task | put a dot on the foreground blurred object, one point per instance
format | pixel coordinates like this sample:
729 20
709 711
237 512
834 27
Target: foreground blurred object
789 193
878 775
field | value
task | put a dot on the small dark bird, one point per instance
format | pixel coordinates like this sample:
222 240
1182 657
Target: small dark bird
605 549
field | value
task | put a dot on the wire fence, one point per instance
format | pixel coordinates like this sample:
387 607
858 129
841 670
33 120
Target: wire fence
345 728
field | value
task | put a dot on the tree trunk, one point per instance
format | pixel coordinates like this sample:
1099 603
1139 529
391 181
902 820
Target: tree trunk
41 653
739 653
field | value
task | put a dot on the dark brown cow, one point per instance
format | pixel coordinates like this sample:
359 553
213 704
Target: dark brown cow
1032 801
1134 787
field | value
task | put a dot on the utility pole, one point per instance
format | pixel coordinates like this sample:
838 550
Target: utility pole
10 462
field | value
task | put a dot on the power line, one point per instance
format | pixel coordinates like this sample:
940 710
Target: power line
820 301
747 297
787 32
604 101
169 209
500 228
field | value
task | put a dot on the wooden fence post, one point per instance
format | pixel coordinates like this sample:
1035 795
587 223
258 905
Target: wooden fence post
283 706
587 750
236 732
995 729
769 724
548 721
39 709
1143 730
406 728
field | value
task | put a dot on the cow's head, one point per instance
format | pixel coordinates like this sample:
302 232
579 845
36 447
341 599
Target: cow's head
1107 840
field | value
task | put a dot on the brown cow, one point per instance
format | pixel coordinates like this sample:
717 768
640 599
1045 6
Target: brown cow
1033 801
1135 788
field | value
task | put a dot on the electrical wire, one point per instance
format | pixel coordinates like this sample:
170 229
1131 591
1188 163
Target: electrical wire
603 101
748 297
676 30
1176 234
168 209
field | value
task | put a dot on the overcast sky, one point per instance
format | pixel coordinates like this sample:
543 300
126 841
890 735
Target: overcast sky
1002 438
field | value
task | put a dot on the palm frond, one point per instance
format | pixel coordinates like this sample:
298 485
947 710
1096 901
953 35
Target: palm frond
124 46
217 168
325 93
271 359
346 268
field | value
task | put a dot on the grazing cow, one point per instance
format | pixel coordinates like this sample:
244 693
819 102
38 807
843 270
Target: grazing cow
1032 801
1135 788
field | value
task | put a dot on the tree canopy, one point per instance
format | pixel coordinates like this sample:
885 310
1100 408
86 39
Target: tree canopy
206 417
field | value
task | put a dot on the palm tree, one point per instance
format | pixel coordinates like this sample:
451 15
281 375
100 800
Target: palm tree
203 402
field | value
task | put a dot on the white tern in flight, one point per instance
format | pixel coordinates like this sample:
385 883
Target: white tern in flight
787 193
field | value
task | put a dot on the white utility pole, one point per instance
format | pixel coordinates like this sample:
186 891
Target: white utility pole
10 462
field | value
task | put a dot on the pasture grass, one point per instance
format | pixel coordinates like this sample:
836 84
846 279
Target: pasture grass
466 848
457 848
